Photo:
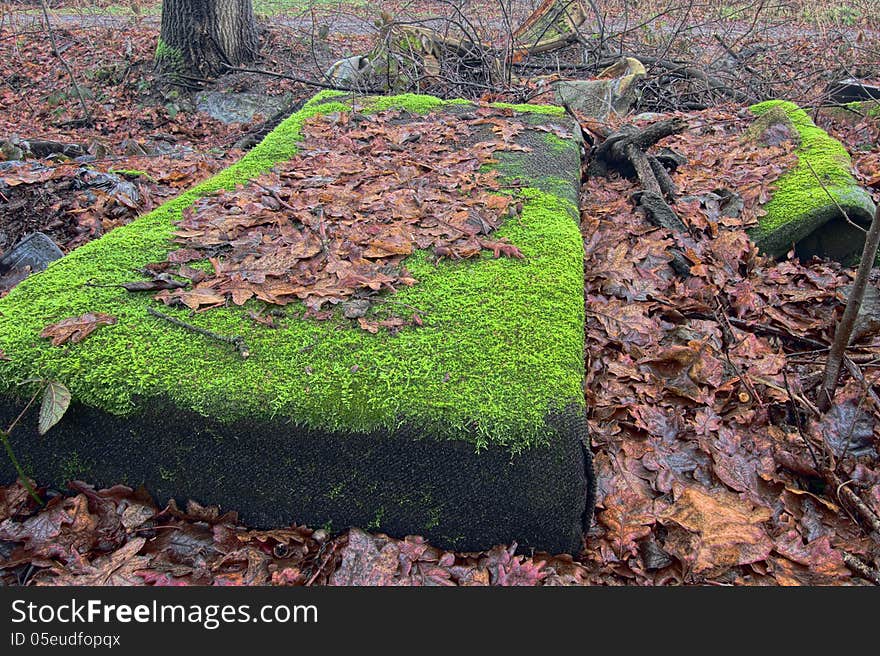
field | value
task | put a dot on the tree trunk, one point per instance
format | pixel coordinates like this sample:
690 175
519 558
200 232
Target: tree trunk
200 37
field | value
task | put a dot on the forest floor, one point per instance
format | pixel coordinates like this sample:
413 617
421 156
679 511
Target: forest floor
713 465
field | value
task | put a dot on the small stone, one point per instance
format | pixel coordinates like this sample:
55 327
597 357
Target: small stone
132 148
355 309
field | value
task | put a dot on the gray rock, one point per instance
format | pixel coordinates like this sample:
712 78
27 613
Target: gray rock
355 309
239 107
349 71
36 251
612 93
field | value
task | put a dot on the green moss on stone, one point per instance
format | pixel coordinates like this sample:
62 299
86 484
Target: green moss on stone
799 205
551 110
501 345
558 145
417 104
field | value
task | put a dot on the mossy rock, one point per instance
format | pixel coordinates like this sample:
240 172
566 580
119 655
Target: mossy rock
801 211
469 429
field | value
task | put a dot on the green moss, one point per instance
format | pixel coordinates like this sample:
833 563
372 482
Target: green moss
167 54
501 345
376 522
417 104
558 145
71 468
867 107
798 192
134 173
551 110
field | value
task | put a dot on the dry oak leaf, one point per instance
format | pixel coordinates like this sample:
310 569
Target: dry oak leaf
76 329
628 517
367 560
121 567
715 531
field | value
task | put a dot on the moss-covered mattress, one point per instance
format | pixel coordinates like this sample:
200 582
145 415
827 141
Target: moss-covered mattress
466 426
818 204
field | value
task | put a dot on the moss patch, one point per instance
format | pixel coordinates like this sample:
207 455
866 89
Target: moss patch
800 205
545 110
501 346
469 430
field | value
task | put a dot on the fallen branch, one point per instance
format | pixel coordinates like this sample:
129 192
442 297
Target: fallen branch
624 151
857 566
844 329
237 341
687 70
87 115
850 498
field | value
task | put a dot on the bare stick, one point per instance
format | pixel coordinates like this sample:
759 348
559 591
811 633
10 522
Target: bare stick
237 341
844 329
857 566
844 494
833 199
87 115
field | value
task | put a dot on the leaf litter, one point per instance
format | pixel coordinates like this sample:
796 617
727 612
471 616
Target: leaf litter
335 223
704 476
692 384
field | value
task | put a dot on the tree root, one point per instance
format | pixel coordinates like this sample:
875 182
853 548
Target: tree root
625 152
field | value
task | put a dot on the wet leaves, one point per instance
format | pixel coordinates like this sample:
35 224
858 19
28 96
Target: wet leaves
712 531
338 219
695 385
118 536
76 329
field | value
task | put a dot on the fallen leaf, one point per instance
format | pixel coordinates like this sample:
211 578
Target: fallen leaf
367 560
76 329
56 400
715 531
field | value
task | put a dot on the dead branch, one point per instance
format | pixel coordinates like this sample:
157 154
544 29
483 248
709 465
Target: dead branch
624 151
850 498
87 115
844 329
857 566
237 341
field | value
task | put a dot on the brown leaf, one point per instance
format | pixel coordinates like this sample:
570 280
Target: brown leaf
628 518
121 567
76 329
367 560
716 531
340 221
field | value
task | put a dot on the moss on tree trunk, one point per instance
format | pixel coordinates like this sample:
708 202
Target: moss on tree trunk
199 38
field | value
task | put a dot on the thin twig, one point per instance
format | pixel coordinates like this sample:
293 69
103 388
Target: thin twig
844 329
4 437
87 115
237 341
844 494
857 566
833 199
275 195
